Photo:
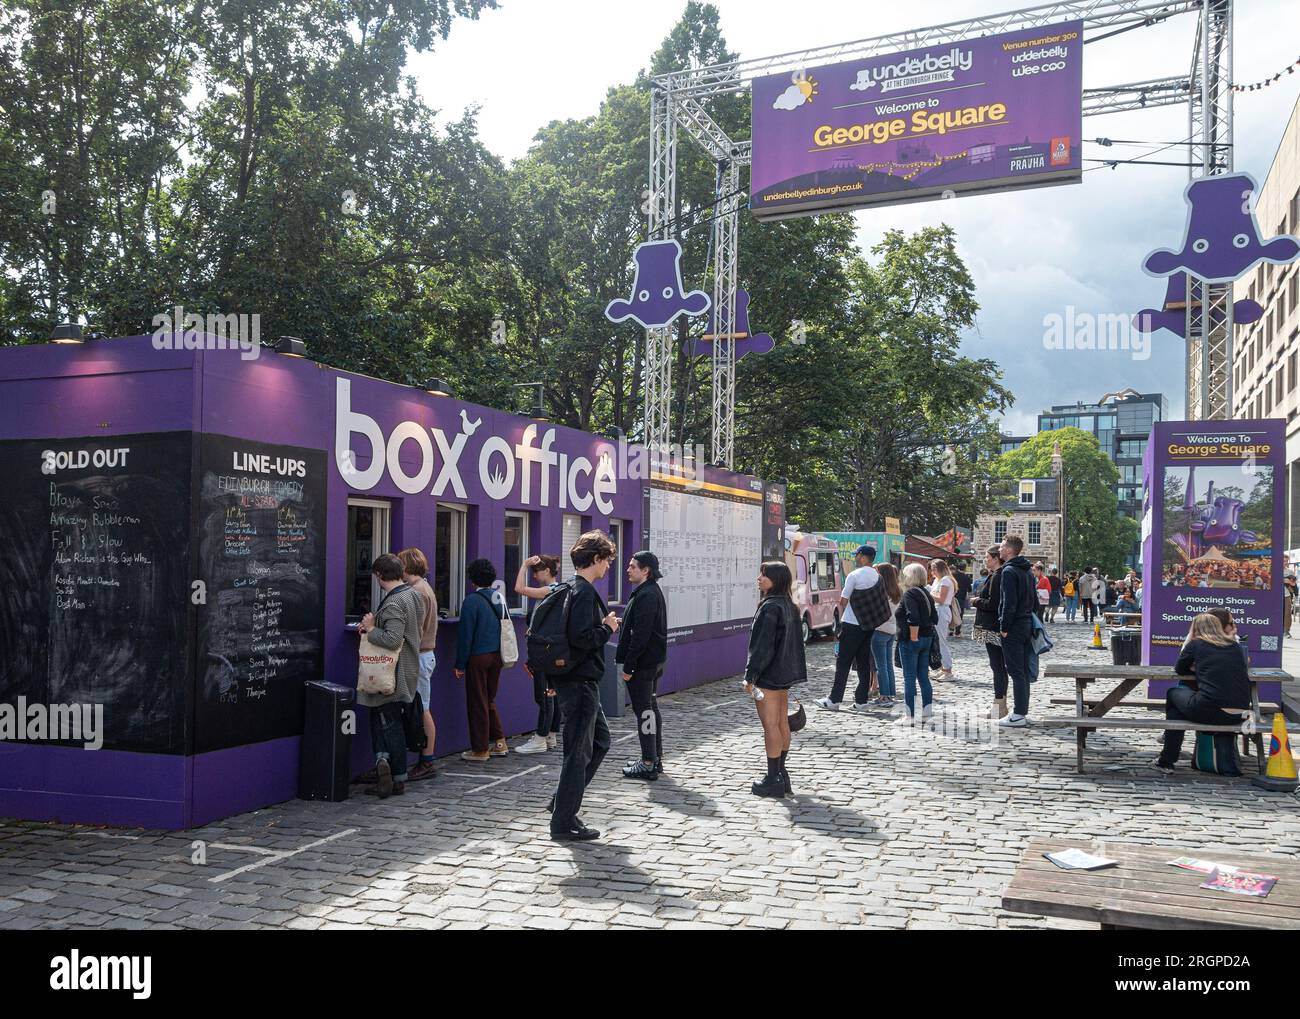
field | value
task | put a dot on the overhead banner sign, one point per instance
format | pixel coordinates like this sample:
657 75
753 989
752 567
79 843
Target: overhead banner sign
998 112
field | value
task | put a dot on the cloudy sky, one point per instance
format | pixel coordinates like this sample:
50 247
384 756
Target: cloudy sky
1033 253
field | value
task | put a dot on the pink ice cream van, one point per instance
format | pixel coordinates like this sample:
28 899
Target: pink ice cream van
814 563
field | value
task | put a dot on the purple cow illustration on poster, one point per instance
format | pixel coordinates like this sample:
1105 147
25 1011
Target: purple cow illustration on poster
1216 521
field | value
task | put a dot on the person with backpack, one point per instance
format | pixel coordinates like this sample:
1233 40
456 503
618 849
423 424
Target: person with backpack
855 637
918 619
415 570
1017 600
1070 592
545 570
642 652
396 625
479 662
774 664
577 663
1088 590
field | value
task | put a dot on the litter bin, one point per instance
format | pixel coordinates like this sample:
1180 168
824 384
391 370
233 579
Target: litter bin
325 755
612 687
1125 647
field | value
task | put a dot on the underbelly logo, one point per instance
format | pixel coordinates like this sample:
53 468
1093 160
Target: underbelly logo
75 972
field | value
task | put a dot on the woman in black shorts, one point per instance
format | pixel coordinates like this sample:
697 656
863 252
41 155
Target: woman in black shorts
775 664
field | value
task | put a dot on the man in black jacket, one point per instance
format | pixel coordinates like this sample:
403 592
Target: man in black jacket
642 651
1018 598
586 733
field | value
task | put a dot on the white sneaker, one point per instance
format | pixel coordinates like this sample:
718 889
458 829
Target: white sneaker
533 745
1013 721
552 741
827 703
927 712
862 709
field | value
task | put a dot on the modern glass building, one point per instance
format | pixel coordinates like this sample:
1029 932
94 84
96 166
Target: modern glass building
1121 423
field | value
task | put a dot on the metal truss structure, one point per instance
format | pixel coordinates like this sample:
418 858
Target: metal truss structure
679 100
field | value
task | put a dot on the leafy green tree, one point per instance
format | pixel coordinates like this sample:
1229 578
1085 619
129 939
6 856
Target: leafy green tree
1096 534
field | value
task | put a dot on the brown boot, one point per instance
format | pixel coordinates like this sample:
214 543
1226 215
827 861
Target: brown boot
999 707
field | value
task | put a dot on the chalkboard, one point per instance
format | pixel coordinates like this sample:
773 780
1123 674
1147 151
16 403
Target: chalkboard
94 582
261 557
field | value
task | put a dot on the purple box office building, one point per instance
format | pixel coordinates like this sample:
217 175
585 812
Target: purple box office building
189 535
1212 536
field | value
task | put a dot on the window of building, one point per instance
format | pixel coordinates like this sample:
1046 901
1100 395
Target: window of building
1290 370
1277 384
515 537
1293 288
999 530
1035 532
449 562
1028 490
570 532
368 537
622 553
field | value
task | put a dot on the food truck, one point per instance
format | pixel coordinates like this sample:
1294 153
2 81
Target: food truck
818 580
190 533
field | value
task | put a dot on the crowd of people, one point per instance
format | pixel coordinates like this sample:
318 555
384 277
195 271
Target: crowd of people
894 622
1243 574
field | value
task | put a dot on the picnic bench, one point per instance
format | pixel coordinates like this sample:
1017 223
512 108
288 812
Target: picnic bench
1145 892
1091 713
1118 618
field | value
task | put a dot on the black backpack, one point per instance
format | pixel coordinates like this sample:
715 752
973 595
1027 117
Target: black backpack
547 637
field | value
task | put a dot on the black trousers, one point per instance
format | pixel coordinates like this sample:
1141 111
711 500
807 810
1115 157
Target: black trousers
586 742
1015 659
1185 704
641 689
1089 610
999 670
548 708
855 650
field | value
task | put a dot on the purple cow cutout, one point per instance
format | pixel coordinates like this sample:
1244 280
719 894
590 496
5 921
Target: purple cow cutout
1214 522
1149 320
746 342
1222 242
657 290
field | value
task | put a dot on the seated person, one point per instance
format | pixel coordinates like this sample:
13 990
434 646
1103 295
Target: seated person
1213 659
1126 602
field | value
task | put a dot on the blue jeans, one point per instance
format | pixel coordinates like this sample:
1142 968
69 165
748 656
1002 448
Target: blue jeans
915 656
882 649
1071 608
388 737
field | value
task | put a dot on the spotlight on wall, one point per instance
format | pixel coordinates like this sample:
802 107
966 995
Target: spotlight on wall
437 387
290 345
530 401
67 332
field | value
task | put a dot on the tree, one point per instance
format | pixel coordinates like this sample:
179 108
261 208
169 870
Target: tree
1096 535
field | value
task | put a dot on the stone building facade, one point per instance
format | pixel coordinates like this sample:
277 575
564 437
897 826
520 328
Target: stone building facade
1031 511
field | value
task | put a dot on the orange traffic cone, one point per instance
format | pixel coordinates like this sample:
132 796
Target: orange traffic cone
1280 774
1096 637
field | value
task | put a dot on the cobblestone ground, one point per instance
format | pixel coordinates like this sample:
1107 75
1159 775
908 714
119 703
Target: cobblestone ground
890 827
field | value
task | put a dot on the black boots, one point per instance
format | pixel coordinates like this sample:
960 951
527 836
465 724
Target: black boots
776 783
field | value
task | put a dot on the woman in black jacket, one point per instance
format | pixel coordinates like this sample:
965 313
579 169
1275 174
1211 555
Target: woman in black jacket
642 651
775 664
1217 678
986 628
916 618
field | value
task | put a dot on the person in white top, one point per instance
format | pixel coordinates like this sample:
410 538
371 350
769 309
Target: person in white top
855 642
882 640
944 589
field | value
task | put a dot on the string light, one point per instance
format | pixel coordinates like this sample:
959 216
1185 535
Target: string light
1266 82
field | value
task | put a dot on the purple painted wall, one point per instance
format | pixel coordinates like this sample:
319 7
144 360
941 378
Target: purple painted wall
499 462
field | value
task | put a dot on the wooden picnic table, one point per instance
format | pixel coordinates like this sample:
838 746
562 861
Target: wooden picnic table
1145 892
1125 678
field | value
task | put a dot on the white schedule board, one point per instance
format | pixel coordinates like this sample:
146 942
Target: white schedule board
709 541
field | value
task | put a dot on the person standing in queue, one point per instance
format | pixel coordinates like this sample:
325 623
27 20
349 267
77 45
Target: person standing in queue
986 628
642 652
775 663
1017 600
855 642
546 571
586 733
919 620
943 589
415 570
478 662
395 626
